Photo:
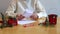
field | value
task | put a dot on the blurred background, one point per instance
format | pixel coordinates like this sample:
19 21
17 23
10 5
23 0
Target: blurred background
51 6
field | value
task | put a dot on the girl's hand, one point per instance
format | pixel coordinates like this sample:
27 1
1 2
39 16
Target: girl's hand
20 17
34 16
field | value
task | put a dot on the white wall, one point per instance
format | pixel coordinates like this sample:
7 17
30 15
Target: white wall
3 5
52 6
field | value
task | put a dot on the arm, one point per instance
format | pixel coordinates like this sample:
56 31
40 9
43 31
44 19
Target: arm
11 9
41 12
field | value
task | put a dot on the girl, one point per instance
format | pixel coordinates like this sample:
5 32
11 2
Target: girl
26 9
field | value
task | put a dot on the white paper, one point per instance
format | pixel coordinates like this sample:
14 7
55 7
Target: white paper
22 22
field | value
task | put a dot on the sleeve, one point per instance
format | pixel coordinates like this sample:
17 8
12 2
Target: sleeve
11 9
41 12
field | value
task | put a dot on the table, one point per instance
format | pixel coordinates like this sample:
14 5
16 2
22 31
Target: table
32 30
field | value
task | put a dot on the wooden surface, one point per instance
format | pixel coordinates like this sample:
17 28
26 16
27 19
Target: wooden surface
32 30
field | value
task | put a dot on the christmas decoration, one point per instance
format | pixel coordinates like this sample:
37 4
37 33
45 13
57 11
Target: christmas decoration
4 22
52 19
46 23
12 21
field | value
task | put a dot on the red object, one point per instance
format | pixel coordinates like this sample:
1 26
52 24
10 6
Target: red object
12 22
52 19
1 21
44 23
28 25
25 25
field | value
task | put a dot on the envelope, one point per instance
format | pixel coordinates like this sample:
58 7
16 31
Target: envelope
22 22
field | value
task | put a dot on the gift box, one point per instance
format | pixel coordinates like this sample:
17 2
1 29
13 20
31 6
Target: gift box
12 21
52 19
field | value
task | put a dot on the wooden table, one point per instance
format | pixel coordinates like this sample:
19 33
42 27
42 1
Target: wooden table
32 30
